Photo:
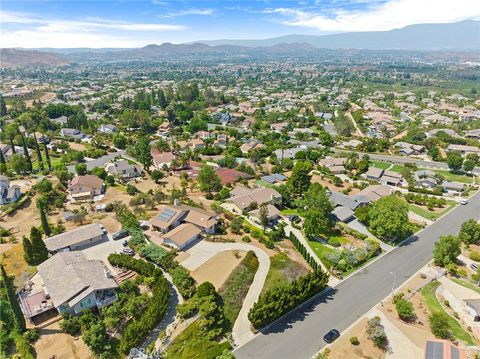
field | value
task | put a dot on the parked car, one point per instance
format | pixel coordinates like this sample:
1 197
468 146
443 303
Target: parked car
463 201
294 218
120 234
128 251
331 336
474 266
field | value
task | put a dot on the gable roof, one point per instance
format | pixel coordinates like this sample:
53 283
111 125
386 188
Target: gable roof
70 276
91 181
74 236
257 195
182 234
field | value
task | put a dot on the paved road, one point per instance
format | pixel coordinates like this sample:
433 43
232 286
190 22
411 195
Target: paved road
299 335
403 160
99 162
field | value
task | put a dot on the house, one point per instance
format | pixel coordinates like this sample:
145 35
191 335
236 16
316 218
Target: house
343 214
374 174
290 153
242 198
8 152
350 202
229 175
62 120
473 308
161 159
272 214
374 192
454 188
164 128
86 187
334 164
8 194
250 145
463 149
70 283
274 178
443 349
107 129
77 239
182 236
72 133
384 176
181 224
123 169
475 134
425 178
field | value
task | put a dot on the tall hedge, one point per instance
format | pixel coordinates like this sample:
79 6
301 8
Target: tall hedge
279 301
6 286
137 330
303 251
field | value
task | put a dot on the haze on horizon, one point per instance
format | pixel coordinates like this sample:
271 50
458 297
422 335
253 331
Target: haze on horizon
109 24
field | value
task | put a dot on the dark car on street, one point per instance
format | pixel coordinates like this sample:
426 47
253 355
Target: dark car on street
331 336
120 234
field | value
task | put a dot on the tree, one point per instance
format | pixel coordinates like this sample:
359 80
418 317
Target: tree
19 164
455 160
27 250
143 153
7 285
446 250
27 154
119 140
263 215
388 218
470 232
468 165
156 175
236 225
39 249
47 156
209 180
39 153
376 332
299 181
405 309
43 217
81 169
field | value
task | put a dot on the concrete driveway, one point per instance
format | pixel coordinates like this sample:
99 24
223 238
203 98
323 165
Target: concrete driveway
102 250
203 251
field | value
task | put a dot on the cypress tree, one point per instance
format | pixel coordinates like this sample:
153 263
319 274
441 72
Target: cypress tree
47 156
12 145
28 251
43 218
12 298
39 153
40 251
2 158
27 154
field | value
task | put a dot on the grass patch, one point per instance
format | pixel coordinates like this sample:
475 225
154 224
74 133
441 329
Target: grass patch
454 177
434 306
467 284
321 251
236 287
381 165
290 212
264 183
425 213
282 271
397 168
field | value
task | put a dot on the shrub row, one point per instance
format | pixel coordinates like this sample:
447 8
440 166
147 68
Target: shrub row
279 301
303 251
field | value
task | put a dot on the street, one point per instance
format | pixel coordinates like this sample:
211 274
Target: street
299 334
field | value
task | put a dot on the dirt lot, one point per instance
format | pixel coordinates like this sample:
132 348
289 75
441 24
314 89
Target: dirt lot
325 182
53 341
342 348
209 271
77 146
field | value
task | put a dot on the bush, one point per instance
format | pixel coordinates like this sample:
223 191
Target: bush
132 190
405 309
439 325
354 341
183 281
32 335
475 256
70 324
334 242
246 239
376 332
236 225
278 301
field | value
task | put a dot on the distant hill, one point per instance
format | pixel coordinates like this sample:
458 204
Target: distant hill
13 58
463 35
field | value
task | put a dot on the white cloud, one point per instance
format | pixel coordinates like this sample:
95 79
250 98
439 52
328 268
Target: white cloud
90 32
202 12
382 16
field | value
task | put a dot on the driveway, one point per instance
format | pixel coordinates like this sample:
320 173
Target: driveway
102 250
359 227
203 251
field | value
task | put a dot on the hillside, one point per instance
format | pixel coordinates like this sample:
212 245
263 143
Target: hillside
12 58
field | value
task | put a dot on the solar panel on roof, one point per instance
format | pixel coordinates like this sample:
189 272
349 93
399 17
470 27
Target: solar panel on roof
279 176
269 179
166 215
434 350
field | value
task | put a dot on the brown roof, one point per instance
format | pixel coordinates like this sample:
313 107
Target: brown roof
375 192
91 181
162 157
183 233
228 175
257 195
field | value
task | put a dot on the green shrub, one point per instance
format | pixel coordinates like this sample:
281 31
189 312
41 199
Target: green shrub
32 335
354 341
70 324
405 309
440 325
334 242
246 239
475 256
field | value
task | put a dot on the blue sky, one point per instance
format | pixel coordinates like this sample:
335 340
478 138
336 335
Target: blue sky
138 23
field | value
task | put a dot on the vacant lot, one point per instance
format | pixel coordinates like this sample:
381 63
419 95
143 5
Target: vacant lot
218 269
282 271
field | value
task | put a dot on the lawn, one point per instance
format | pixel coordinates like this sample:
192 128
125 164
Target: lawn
321 251
282 271
236 287
289 212
381 165
454 177
264 184
425 213
434 306
467 284
397 168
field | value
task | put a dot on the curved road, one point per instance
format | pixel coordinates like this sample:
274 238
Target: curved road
299 334
203 251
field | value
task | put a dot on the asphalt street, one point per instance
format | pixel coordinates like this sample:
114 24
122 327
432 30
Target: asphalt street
299 335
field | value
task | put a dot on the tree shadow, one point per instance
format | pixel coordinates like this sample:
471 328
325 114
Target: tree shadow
300 313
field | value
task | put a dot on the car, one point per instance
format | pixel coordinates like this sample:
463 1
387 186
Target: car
128 251
331 336
463 201
474 266
294 218
120 234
